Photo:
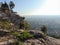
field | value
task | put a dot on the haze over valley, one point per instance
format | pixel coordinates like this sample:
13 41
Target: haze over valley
52 22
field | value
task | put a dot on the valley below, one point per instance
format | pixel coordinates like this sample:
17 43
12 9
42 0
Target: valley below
51 22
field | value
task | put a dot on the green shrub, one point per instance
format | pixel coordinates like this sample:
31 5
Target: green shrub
27 26
44 29
7 25
20 43
25 35
4 24
22 35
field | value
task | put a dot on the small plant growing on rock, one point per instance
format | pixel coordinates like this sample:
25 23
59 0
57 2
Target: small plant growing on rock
21 36
27 26
25 35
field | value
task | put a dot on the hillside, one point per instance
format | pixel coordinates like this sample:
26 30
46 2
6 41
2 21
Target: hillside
13 30
41 39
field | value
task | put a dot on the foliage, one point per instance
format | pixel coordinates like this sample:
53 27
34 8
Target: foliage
7 25
26 25
25 35
22 35
4 24
20 43
11 5
44 29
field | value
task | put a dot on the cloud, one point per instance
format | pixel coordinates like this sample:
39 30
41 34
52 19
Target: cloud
50 7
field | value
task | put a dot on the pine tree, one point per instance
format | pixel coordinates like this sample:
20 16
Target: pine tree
11 4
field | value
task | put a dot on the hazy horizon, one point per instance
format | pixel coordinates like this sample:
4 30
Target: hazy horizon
36 7
52 23
38 15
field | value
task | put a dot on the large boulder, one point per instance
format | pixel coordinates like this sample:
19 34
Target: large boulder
37 34
41 41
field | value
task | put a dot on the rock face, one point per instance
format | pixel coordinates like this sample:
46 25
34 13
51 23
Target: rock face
41 39
7 39
13 18
16 19
9 15
37 33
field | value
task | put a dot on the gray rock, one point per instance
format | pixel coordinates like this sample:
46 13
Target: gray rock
37 34
13 18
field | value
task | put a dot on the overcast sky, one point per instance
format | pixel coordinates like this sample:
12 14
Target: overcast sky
36 7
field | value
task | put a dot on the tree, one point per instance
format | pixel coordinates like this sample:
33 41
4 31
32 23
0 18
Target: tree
0 4
44 29
4 6
11 4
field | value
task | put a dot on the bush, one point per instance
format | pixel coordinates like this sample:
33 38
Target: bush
44 29
25 35
27 26
21 36
7 25
20 43
4 24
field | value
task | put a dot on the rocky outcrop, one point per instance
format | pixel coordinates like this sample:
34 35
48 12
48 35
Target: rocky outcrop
7 14
41 39
13 18
16 19
6 39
